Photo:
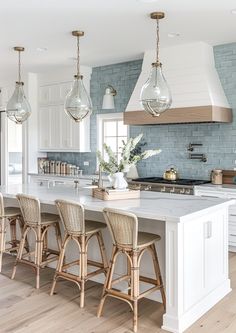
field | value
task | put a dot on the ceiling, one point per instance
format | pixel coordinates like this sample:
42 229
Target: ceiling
115 30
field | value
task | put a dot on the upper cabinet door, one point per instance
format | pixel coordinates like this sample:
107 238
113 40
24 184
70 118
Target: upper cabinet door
65 88
44 120
66 130
57 131
44 95
49 95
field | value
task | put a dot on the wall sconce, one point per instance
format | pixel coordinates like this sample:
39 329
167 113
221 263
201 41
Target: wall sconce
108 98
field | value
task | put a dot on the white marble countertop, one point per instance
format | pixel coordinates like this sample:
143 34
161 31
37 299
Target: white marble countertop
221 188
151 205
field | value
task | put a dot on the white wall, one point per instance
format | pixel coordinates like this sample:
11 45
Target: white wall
7 86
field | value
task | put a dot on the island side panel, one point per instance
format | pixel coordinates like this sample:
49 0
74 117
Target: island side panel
196 268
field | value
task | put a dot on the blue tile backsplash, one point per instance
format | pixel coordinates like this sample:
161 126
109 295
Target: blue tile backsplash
219 140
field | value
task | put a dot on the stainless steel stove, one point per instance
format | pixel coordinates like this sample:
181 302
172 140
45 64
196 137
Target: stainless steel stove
158 184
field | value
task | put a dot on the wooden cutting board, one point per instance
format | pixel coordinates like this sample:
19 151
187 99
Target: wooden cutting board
116 195
229 177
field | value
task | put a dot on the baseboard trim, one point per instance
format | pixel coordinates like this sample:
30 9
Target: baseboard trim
180 324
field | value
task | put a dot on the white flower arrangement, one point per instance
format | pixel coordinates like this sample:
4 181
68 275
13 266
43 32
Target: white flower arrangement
127 158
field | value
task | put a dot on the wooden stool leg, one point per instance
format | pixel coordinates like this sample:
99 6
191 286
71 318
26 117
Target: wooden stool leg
13 233
2 240
108 280
58 235
102 249
129 274
158 273
44 245
135 288
39 253
60 263
21 249
83 269
21 225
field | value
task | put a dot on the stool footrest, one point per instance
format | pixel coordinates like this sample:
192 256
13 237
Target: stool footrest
70 264
77 262
147 280
119 294
120 279
149 291
98 271
31 263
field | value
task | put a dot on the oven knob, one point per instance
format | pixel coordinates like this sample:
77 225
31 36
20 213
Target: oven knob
148 188
163 189
182 191
172 190
187 191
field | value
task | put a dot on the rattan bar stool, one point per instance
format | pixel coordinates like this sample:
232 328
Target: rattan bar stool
80 231
9 216
39 223
127 240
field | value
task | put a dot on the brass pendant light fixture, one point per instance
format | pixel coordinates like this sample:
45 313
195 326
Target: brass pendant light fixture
78 104
155 94
18 108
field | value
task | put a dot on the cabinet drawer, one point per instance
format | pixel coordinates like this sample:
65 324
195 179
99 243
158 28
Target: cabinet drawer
210 194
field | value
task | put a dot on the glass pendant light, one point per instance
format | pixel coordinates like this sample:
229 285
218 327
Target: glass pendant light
78 104
18 108
155 94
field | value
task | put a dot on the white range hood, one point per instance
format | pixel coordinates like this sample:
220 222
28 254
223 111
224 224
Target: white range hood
196 90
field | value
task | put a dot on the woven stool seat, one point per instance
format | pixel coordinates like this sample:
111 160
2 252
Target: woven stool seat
80 231
47 218
93 226
10 212
145 239
133 243
39 223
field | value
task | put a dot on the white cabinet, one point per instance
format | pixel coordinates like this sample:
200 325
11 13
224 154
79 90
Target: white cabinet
44 128
54 180
205 241
49 94
57 131
215 192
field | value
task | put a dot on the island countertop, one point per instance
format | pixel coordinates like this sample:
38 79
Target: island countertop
151 205
193 253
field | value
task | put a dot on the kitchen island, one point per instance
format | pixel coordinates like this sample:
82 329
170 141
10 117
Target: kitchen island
193 251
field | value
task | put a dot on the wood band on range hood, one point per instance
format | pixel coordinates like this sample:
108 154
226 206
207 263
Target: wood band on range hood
195 114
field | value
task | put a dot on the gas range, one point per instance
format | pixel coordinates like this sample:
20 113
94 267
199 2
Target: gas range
158 184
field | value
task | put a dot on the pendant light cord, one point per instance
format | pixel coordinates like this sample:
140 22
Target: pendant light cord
19 67
157 45
78 57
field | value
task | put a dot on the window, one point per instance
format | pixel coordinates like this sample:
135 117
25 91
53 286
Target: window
112 131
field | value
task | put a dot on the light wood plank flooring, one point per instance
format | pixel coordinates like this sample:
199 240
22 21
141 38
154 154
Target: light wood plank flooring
25 310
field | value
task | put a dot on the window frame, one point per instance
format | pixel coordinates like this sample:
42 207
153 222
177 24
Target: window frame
116 116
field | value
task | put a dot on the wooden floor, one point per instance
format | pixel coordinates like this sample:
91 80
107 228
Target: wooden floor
26 310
